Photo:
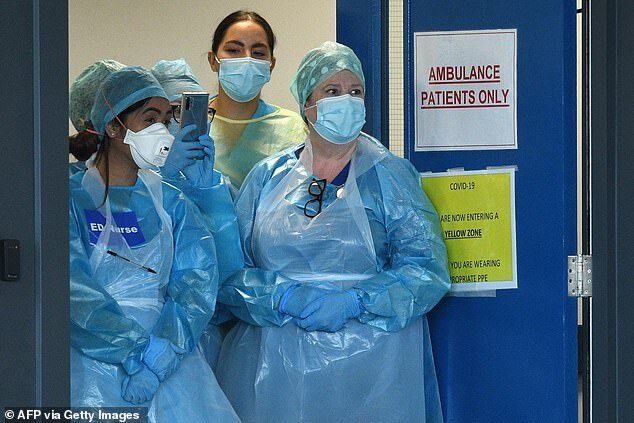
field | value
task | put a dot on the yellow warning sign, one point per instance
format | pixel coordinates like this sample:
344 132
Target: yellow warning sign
477 215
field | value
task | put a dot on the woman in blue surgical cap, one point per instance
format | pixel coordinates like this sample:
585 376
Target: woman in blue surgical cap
80 99
207 188
247 129
143 268
345 257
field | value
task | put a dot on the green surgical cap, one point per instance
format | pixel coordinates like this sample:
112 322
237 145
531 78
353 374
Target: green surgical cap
318 65
82 92
122 89
176 77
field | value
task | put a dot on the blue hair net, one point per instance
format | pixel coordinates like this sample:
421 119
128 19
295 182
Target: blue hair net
82 92
318 65
176 77
122 89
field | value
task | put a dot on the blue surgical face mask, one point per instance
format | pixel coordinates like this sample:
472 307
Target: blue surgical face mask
339 119
243 78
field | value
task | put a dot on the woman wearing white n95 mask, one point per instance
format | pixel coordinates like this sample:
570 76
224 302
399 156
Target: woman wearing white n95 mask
143 268
246 128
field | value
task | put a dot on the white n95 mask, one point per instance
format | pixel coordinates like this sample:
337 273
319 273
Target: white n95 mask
150 146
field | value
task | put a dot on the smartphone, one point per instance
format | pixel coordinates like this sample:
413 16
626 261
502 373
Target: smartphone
194 108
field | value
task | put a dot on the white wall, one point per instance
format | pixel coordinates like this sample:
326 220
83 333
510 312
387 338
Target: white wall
141 32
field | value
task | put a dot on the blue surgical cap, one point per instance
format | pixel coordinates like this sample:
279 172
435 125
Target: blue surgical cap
82 92
318 65
121 90
176 77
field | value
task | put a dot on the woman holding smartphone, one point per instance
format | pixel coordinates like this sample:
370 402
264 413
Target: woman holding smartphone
206 187
247 129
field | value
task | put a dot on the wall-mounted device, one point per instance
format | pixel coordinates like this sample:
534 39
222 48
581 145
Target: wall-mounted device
10 260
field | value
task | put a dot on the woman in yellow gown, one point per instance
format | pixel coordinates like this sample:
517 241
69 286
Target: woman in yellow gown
246 129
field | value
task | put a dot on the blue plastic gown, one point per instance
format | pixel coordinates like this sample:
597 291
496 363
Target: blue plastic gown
379 235
116 305
216 206
76 167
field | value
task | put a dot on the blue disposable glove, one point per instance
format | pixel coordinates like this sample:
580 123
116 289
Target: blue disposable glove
297 297
330 313
139 387
161 357
182 154
200 174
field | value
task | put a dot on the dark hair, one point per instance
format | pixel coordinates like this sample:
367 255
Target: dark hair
239 16
84 144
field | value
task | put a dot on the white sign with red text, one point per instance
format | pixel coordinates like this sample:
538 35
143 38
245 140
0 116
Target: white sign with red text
466 90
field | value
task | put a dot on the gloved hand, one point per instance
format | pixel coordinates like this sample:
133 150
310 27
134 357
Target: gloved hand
200 174
139 387
161 357
297 297
330 312
182 154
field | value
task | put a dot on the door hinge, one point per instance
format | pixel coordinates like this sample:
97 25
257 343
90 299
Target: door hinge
580 276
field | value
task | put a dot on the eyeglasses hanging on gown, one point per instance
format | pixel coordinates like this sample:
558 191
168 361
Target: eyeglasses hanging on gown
316 189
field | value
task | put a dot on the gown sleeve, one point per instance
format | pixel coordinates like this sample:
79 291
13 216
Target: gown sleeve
216 205
191 291
416 276
253 294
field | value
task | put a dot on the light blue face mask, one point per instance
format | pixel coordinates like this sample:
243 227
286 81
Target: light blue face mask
339 119
243 78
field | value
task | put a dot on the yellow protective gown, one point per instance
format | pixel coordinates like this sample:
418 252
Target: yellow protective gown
240 144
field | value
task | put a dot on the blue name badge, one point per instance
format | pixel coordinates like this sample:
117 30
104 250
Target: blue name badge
126 224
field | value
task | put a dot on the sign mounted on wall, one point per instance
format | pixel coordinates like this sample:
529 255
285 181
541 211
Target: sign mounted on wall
466 90
477 216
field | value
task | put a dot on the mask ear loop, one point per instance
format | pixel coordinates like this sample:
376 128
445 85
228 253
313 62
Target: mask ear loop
308 120
92 131
112 110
